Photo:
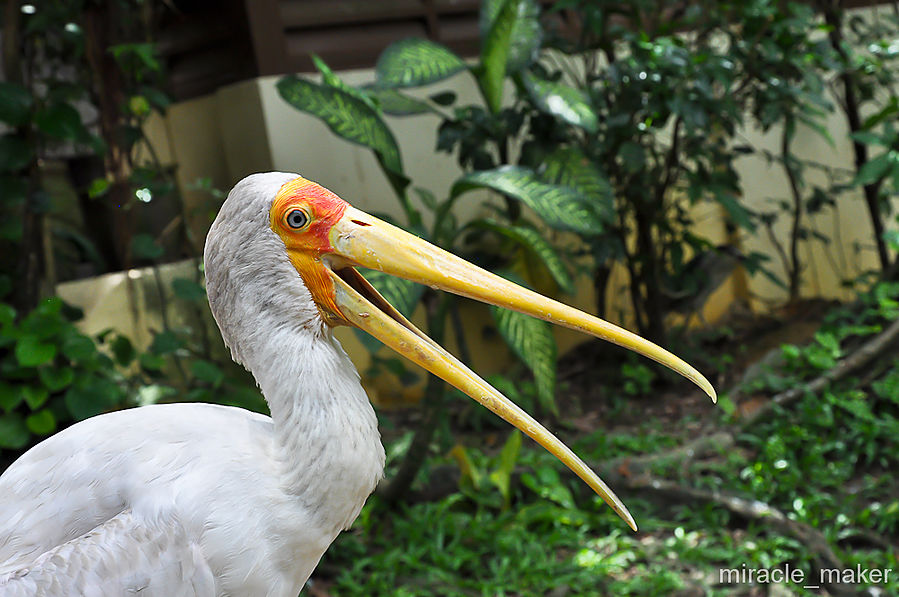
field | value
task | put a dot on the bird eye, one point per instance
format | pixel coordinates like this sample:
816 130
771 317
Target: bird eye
297 218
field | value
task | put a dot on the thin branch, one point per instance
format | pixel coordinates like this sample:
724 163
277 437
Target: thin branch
861 357
756 510
789 167
775 242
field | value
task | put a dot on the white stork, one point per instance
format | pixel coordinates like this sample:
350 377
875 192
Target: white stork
202 500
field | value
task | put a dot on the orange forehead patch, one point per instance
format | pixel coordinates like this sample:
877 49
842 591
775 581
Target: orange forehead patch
323 208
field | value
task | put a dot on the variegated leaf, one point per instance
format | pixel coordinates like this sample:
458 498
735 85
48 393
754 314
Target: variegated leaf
534 242
525 34
415 62
560 207
510 39
491 72
330 78
565 103
395 103
532 341
569 167
346 115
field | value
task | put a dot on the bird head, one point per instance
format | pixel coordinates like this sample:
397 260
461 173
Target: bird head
326 239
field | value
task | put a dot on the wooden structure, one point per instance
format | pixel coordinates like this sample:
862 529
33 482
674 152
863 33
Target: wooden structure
208 44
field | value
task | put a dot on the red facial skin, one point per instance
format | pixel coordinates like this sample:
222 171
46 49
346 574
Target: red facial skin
305 245
323 208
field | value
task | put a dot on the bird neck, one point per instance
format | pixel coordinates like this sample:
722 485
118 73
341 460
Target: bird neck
326 439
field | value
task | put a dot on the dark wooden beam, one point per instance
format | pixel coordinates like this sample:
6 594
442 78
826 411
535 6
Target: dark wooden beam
267 35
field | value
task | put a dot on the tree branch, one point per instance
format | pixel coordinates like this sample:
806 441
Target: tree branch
809 536
859 358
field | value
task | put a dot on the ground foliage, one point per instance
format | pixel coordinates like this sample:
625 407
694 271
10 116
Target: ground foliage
826 462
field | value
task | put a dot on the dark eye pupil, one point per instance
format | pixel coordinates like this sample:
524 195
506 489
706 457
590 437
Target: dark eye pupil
296 219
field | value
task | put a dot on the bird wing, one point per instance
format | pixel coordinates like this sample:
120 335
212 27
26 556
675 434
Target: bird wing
124 555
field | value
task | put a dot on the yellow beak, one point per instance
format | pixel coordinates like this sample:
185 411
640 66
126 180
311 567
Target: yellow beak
358 239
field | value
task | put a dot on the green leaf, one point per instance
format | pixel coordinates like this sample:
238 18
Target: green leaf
532 341
444 98
882 115
136 57
43 325
501 477
96 395
546 483
79 348
208 372
35 396
531 240
165 342
7 316
31 352
13 432
491 72
560 207
98 188
156 97
869 138
84 403
139 106
10 396
346 115
399 104
189 290
469 474
330 79
56 378
60 120
489 11
738 212
566 103
402 294
727 405
414 62
41 423
15 153
569 167
525 34
875 169
144 246
151 362
123 351
50 306
15 104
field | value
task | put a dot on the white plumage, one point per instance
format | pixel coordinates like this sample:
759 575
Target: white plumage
204 500
198 499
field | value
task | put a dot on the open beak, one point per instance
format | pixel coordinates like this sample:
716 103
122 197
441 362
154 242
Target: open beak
358 239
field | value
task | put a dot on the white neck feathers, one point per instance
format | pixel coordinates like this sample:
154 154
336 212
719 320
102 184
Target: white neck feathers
326 441
326 438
